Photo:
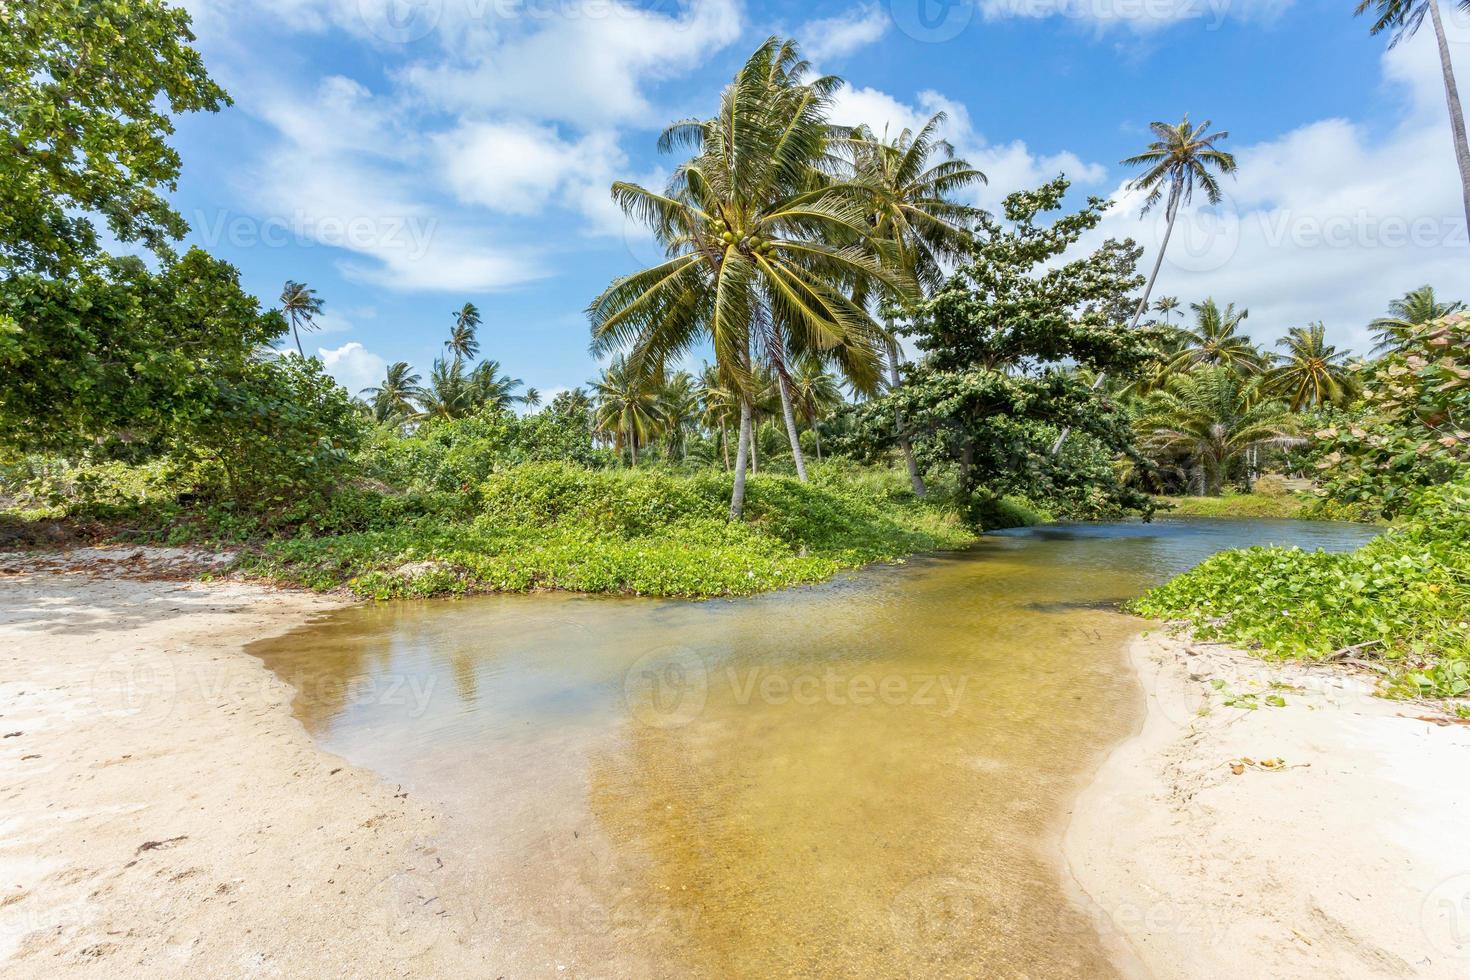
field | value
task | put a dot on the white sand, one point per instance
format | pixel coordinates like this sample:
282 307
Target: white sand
162 813
1352 862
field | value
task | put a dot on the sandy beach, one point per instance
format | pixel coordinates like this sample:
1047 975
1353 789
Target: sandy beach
163 814
1322 834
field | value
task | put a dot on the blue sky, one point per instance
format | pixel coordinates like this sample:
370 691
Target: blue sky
405 156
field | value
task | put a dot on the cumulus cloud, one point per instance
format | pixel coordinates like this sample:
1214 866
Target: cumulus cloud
1141 15
837 37
354 366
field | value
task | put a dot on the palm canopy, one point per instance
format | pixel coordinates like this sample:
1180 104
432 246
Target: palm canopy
912 198
627 405
1214 340
1414 309
1310 371
462 343
1402 18
302 306
393 399
763 244
1181 157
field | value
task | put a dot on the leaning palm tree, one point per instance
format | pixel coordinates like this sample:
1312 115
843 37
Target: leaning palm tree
1403 18
1414 309
302 306
1182 158
393 399
1214 341
762 246
912 205
1215 418
626 406
1311 372
462 343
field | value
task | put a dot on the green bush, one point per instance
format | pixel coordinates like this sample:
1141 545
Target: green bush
1404 596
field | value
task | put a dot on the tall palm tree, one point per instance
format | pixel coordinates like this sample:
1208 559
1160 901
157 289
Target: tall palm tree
1167 305
301 305
1214 340
816 393
1414 309
1183 157
532 398
393 399
1311 372
626 406
1215 418
912 205
1403 18
462 343
762 246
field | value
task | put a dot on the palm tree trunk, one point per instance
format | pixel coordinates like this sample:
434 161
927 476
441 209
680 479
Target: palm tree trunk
791 432
297 335
1457 114
1148 290
725 444
737 496
904 442
755 456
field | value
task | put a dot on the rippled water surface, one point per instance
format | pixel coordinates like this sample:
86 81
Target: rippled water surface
863 778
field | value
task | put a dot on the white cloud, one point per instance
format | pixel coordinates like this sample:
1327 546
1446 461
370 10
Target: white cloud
587 65
1328 221
837 37
518 167
1140 15
354 366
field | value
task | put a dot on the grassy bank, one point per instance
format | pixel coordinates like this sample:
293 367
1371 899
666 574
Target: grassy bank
555 526
1243 505
1401 602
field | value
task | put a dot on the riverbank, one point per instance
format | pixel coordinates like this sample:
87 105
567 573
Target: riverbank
163 813
1281 817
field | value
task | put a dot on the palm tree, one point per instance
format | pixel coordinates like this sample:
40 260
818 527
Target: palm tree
1214 342
531 399
1214 417
678 407
1416 308
448 394
1404 18
1184 156
718 405
488 387
1311 372
627 406
1166 305
816 394
762 246
462 343
301 305
913 207
393 399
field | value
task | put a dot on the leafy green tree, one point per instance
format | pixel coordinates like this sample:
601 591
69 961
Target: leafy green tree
1406 315
302 306
1215 417
1403 18
1311 372
462 343
912 205
87 91
1215 340
393 400
762 247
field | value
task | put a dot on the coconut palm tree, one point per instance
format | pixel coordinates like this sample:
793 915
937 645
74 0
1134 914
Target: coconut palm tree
1311 372
762 246
448 394
1215 418
1213 341
1416 308
302 306
1403 18
912 205
718 406
678 407
488 387
1183 157
816 393
1167 305
392 401
531 399
626 407
462 343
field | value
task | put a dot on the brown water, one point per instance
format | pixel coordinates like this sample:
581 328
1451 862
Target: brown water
864 778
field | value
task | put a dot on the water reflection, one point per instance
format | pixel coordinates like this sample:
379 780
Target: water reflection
865 778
